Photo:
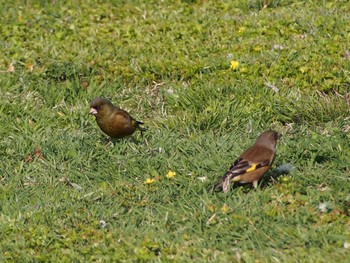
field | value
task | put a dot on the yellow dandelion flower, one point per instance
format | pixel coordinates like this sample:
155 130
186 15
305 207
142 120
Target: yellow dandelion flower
243 70
211 208
303 69
170 174
150 181
241 29
30 67
234 64
224 209
257 48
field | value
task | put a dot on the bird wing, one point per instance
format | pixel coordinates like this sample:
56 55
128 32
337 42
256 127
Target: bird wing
251 160
130 120
242 167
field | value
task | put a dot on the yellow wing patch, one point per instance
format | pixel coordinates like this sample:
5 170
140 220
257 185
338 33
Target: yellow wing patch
252 168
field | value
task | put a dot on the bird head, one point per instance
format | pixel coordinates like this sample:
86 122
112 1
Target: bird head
269 137
99 106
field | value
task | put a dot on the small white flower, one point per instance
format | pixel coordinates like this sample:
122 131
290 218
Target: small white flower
170 91
278 47
323 207
103 223
202 178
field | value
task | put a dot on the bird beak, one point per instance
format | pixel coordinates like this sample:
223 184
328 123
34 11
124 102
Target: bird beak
279 135
93 111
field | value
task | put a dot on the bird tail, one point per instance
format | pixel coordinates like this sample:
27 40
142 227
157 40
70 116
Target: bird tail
219 185
137 124
224 183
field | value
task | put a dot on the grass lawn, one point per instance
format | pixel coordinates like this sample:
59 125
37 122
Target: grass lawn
206 77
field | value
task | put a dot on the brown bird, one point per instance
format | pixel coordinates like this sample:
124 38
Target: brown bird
112 120
253 163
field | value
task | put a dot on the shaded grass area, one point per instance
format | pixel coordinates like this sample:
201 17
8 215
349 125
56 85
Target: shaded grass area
65 196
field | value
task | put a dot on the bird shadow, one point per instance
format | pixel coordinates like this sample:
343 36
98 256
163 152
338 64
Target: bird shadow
114 141
138 141
270 178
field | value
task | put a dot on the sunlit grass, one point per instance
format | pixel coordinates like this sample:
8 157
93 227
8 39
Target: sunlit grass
206 78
